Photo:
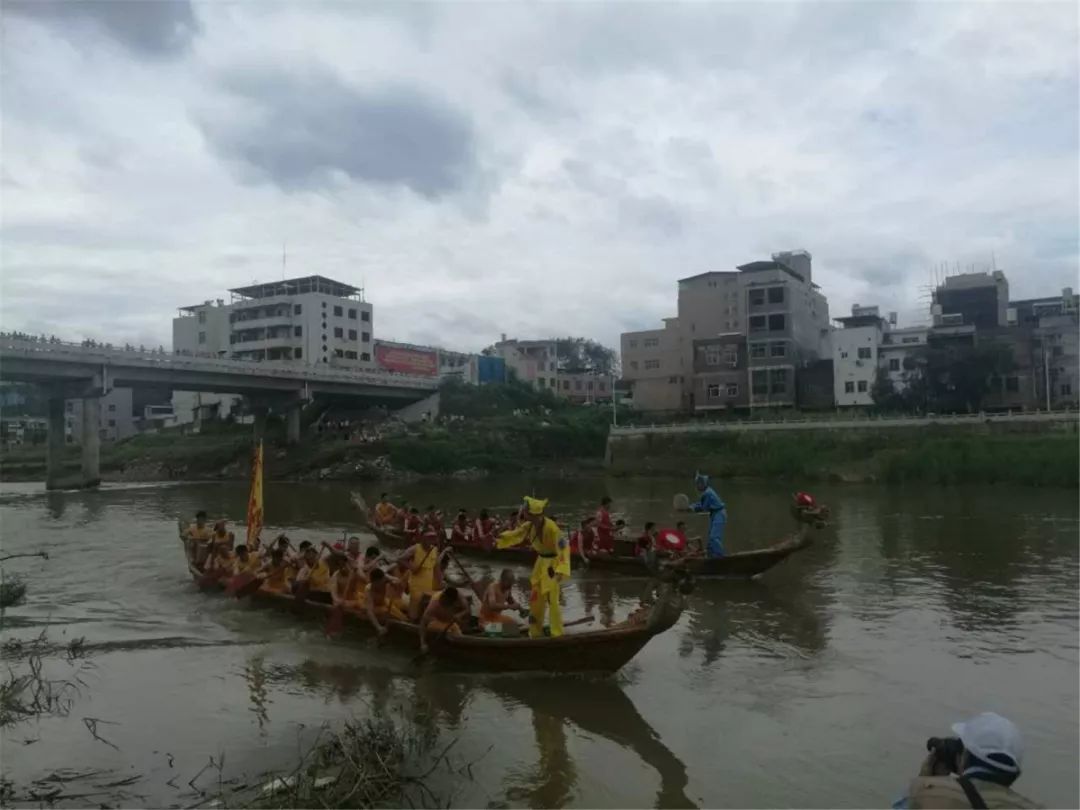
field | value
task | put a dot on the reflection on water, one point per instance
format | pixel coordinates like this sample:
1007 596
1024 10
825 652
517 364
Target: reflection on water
914 608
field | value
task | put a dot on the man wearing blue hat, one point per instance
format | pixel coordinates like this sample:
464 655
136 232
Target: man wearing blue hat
709 502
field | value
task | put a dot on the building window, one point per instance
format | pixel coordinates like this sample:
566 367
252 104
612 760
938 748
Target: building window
757 350
777 323
601 386
712 391
112 408
633 365
712 357
1066 389
778 380
1057 351
352 334
777 350
894 364
651 343
352 314
298 331
652 364
70 406
365 315
554 383
633 344
297 309
731 358
202 316
365 337
337 312
202 337
909 340
1012 384
577 385
298 353
758 323
350 355
757 298
776 295
112 423
849 387
324 345
732 389
865 353
759 383
339 353
551 366
365 356
565 385
339 332
588 385
862 386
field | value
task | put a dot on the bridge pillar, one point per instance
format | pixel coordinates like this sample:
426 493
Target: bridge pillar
292 424
54 444
91 442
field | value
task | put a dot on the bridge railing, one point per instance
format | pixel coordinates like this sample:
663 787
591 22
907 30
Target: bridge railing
90 352
843 421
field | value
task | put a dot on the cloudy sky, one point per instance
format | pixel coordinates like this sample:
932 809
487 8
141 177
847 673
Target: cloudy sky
533 169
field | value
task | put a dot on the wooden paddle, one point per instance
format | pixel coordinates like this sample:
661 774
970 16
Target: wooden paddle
472 584
250 584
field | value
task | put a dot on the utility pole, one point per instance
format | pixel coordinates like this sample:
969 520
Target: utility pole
1046 371
614 409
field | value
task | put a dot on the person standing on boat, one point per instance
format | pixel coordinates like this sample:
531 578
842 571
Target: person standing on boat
709 503
551 567
605 532
420 560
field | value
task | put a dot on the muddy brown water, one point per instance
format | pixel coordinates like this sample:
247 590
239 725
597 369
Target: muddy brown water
815 686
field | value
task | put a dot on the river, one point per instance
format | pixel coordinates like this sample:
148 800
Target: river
816 686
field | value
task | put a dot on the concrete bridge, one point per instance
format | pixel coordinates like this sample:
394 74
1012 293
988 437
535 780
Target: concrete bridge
87 372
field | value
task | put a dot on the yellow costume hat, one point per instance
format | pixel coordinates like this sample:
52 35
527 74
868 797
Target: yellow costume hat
535 505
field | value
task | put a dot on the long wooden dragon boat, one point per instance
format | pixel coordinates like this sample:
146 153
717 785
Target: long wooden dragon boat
740 565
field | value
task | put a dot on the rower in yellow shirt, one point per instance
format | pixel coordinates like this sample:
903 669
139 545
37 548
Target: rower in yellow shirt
551 567
198 537
314 570
385 512
420 559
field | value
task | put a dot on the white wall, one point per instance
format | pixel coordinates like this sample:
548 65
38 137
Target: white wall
848 367
903 343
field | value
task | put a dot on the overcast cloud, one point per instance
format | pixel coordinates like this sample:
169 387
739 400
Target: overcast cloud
531 169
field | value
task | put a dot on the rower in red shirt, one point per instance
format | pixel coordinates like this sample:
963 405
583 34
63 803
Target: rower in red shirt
647 541
460 531
484 533
412 525
433 520
605 532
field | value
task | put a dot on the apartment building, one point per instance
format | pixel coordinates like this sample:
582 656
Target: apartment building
776 307
787 325
855 347
973 299
116 420
719 376
313 319
653 367
535 362
897 350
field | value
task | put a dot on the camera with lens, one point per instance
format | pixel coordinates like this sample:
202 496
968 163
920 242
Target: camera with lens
946 750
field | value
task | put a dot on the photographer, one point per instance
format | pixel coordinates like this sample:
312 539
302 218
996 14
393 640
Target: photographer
975 769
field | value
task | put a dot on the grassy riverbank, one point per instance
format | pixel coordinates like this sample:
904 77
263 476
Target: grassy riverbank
929 455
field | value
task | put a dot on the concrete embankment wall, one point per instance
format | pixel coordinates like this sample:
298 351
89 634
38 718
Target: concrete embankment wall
1029 451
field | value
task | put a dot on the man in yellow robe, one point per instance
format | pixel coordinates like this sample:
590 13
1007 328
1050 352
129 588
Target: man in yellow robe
552 564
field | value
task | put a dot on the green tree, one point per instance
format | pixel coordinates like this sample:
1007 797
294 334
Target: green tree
578 354
957 377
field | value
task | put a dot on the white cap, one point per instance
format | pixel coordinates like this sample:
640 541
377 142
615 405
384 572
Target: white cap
986 735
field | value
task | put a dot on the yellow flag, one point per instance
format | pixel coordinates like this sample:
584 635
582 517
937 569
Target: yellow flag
255 499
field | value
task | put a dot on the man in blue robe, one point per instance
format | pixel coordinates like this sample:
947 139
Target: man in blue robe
710 503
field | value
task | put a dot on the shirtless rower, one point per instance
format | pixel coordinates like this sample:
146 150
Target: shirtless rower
498 598
446 612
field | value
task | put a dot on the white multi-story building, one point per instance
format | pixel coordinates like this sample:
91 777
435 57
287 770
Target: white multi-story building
311 319
308 320
855 356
